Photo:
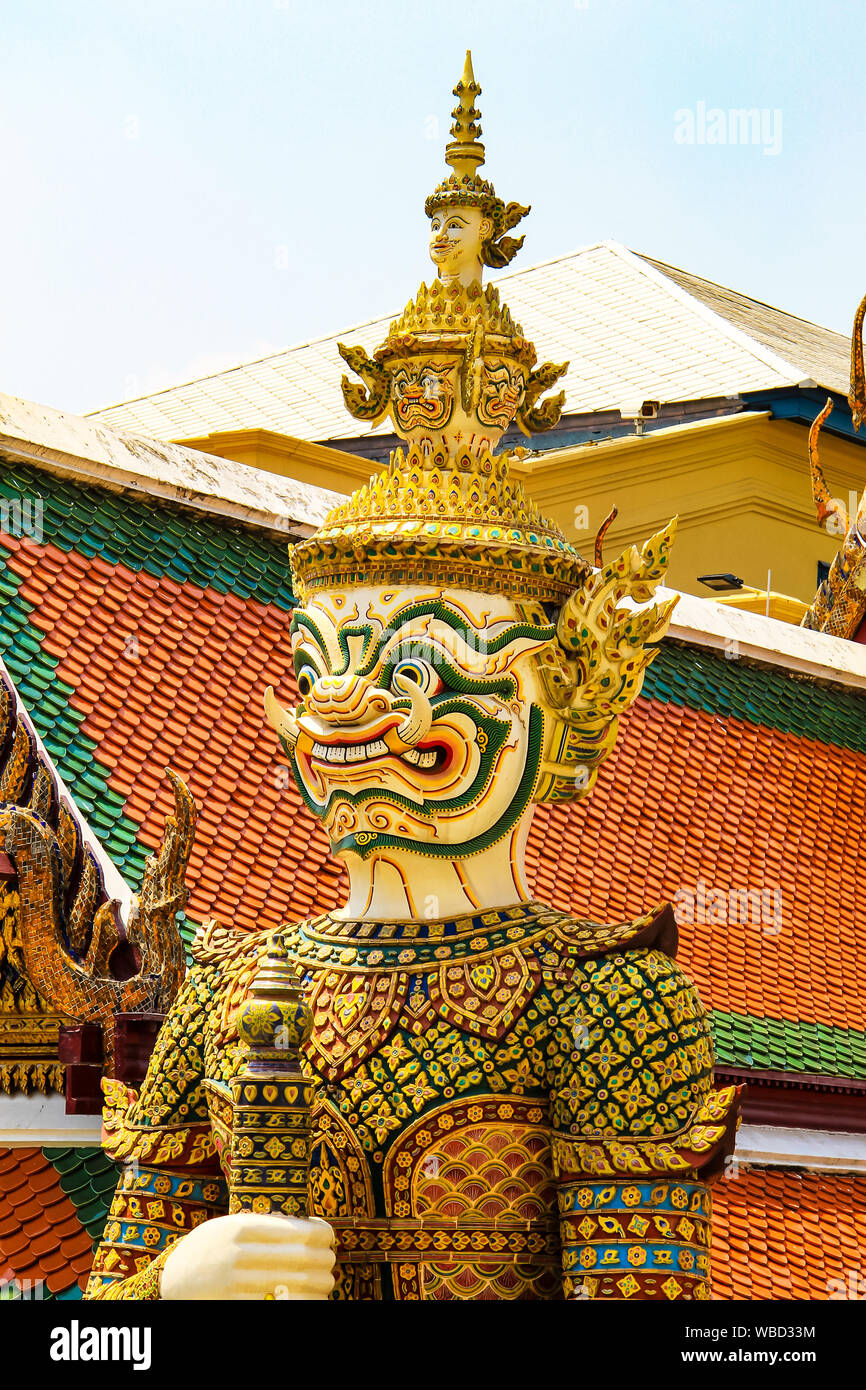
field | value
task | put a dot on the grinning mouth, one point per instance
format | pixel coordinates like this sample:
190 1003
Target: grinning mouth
325 747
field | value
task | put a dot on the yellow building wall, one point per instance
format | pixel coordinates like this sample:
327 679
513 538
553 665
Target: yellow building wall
740 485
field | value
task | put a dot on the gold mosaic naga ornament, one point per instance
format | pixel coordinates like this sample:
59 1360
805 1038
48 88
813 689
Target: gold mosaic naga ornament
507 1103
66 955
839 606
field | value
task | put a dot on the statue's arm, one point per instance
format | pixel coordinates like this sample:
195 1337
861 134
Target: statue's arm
638 1131
169 1234
170 1181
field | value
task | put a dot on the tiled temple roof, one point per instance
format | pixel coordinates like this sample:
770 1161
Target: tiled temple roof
785 1235
141 634
632 328
53 1204
726 775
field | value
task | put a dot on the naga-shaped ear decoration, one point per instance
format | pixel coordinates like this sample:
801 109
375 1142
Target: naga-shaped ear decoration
603 653
534 420
857 392
839 606
370 404
825 505
499 250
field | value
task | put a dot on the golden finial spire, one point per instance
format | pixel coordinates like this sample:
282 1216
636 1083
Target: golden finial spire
465 152
465 187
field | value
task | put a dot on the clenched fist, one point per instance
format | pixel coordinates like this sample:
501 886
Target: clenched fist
246 1256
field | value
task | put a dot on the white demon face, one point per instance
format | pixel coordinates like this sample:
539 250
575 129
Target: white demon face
420 725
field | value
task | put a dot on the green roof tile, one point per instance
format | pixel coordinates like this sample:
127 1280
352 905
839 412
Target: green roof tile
701 680
154 537
88 1177
774 1044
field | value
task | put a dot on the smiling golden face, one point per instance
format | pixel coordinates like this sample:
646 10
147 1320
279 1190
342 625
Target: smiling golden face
457 236
420 725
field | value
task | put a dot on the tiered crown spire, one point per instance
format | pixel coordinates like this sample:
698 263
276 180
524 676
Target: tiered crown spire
454 373
465 152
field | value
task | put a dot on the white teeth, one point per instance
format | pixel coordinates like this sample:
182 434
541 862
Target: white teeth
419 759
349 752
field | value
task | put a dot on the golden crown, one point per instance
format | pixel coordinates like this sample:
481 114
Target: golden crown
432 518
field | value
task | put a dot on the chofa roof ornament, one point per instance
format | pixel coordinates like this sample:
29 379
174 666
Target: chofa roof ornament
839 606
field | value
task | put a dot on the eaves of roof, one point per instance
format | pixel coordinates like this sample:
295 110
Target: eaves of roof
90 452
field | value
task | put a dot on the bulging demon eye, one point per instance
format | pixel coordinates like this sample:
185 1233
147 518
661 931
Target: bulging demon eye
415 672
306 677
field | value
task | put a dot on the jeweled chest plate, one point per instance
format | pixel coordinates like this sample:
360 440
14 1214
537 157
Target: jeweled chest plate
462 1206
434 1051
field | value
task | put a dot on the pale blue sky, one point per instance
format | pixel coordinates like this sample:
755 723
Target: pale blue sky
189 183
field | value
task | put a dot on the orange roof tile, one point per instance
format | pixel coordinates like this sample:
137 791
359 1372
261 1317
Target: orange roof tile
718 795
632 821
41 1237
779 1234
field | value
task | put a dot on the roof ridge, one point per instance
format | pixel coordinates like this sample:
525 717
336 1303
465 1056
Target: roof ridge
767 356
789 371
551 260
239 366
750 298
97 451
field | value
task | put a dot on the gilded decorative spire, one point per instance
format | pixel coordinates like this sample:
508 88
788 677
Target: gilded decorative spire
454 373
857 393
465 152
464 187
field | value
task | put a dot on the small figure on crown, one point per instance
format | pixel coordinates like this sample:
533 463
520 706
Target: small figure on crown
502 1101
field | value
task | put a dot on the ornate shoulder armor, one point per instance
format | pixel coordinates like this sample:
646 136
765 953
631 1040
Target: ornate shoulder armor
571 939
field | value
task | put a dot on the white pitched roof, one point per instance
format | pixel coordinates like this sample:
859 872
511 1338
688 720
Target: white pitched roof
632 329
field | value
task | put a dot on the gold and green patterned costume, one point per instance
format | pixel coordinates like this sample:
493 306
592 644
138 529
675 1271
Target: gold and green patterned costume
512 1106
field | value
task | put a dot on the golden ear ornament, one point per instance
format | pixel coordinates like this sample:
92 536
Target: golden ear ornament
603 636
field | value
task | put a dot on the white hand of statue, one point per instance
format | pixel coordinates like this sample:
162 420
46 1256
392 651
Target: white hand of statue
245 1256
